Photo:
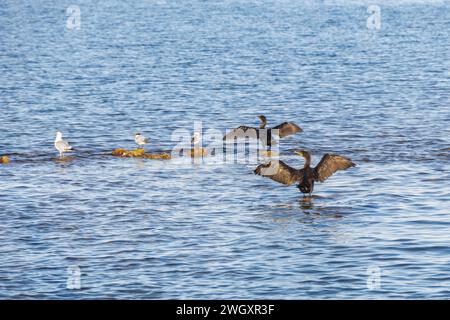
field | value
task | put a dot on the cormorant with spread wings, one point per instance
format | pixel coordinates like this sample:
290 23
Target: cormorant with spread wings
264 134
279 171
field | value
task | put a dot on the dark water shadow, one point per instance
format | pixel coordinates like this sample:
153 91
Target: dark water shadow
307 209
312 205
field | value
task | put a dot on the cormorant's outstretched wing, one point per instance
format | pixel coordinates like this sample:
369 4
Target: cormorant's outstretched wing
241 132
329 164
287 128
280 172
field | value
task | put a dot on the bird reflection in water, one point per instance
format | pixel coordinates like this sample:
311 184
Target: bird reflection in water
306 204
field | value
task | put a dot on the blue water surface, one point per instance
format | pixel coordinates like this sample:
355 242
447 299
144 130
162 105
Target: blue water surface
171 229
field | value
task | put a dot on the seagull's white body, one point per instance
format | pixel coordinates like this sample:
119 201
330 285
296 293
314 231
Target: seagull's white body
140 139
61 145
195 138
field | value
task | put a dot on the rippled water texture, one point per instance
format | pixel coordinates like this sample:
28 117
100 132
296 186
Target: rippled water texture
168 229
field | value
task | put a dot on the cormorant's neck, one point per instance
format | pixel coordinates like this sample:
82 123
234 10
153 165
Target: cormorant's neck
263 124
307 160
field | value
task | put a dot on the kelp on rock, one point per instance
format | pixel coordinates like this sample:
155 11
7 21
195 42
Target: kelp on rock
4 159
139 153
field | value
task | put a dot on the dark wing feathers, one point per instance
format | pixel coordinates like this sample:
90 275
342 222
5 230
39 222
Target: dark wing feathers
241 132
287 128
329 164
279 171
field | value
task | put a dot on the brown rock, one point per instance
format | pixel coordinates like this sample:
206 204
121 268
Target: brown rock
4 159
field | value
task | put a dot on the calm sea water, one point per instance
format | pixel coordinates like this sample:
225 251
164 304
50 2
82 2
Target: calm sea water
167 229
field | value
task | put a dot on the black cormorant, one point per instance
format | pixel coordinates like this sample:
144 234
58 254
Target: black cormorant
278 171
264 134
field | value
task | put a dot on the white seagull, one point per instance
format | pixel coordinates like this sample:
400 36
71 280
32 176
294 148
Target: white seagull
61 145
195 138
140 139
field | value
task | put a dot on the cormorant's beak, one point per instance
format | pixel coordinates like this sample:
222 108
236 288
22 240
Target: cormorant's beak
300 153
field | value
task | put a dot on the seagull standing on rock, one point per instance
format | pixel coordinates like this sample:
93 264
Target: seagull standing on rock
61 145
140 140
195 139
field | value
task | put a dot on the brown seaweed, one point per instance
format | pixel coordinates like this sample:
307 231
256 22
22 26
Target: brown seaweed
198 152
4 159
139 153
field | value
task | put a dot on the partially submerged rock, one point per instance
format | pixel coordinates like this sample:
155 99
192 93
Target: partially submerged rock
128 153
139 153
163 155
269 153
4 160
198 152
64 159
